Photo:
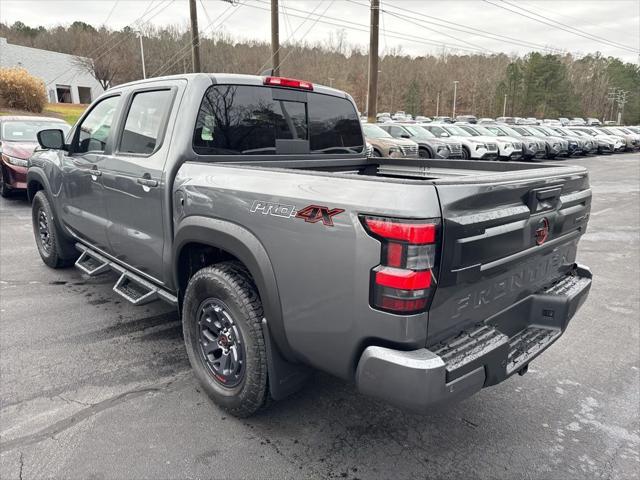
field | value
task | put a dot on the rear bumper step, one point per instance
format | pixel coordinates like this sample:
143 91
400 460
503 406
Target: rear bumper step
130 286
480 356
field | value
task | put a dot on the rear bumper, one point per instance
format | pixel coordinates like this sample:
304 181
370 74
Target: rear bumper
483 355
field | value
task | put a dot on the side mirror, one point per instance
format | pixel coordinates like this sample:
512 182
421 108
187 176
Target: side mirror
444 134
52 138
405 135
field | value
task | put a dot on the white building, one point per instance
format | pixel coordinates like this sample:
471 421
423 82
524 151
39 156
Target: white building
66 82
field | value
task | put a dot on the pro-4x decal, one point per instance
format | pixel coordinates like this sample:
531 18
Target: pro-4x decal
317 213
310 214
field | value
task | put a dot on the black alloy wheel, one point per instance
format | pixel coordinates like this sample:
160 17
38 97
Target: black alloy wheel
221 344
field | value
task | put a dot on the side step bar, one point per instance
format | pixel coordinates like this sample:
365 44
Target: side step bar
130 286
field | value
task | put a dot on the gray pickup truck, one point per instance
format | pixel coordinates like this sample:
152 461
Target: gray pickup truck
249 204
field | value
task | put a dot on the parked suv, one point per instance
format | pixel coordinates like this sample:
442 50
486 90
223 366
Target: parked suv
532 149
473 147
248 204
509 148
552 145
384 145
429 145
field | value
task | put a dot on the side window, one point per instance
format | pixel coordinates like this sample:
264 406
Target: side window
396 132
145 121
94 130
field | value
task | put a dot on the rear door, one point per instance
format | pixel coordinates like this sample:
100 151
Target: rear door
503 241
133 180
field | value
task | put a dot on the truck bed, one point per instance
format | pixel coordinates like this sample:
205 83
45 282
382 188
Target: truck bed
437 172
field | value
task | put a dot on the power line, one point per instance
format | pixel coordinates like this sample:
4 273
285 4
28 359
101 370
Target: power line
552 25
184 51
470 30
123 37
289 38
308 30
577 31
365 28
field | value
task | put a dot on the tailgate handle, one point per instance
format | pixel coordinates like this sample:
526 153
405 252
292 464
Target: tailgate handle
541 198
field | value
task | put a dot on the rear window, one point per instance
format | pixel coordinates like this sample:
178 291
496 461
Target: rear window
247 120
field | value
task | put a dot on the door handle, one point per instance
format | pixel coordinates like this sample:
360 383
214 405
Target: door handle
147 182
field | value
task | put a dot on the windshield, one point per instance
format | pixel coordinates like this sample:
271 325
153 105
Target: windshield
373 131
523 131
453 130
496 131
544 131
507 131
487 131
26 131
418 132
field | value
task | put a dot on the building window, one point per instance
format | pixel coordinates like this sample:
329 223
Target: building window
64 93
84 94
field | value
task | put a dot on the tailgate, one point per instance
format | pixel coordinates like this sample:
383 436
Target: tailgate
503 241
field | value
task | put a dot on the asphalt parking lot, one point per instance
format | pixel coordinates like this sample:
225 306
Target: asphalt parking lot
91 387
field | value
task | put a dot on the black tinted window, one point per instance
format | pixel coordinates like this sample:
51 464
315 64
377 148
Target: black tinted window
246 120
145 120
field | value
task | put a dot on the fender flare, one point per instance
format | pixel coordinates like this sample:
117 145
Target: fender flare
37 174
245 246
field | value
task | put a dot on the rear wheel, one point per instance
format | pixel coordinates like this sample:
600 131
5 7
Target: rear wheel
54 249
222 324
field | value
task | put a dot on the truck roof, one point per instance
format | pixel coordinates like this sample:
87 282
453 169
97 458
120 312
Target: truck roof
230 78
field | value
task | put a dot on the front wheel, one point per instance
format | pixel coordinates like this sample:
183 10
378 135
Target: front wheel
222 324
54 249
424 153
465 153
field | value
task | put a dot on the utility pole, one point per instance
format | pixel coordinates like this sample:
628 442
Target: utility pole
438 105
372 96
331 81
144 71
504 106
275 38
611 96
622 99
455 93
195 36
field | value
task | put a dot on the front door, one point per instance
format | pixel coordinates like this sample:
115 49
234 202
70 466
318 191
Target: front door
83 208
134 184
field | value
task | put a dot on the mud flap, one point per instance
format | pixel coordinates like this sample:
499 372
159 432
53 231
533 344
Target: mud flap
285 377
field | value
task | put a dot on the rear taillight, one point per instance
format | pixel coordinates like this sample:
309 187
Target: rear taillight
288 82
404 281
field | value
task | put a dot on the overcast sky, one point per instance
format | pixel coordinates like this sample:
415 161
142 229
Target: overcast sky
403 22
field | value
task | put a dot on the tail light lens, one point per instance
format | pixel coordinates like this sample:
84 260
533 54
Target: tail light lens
404 280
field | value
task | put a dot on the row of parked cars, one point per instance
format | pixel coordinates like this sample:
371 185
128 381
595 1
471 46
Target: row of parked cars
494 140
402 116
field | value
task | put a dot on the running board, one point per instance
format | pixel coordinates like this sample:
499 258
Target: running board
92 263
130 286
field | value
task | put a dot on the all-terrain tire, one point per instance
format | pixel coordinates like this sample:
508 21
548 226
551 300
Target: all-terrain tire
55 250
229 285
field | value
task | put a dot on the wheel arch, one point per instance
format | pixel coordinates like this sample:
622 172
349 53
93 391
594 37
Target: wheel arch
230 242
36 181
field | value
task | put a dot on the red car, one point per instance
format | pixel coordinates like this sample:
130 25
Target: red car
17 143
